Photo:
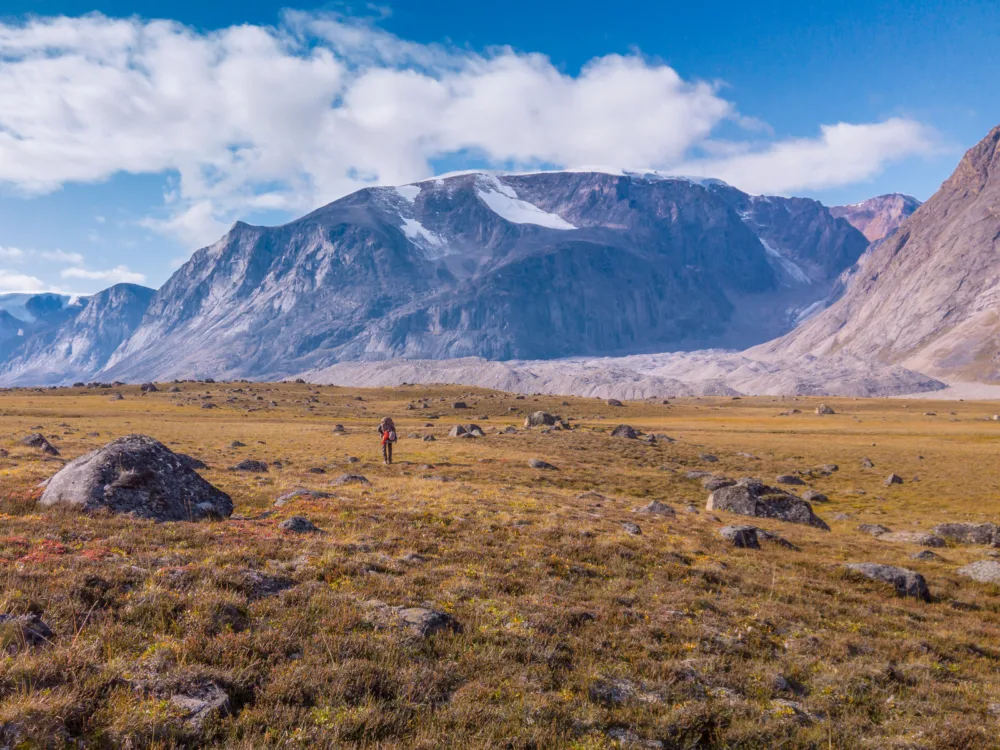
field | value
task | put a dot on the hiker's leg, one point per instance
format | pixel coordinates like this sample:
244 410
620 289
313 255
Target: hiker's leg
385 453
389 447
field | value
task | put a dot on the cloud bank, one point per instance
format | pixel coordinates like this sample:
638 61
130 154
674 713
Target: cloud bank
293 116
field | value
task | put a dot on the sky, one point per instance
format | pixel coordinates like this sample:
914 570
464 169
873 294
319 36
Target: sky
132 133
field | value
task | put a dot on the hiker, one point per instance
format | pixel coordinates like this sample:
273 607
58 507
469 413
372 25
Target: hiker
387 430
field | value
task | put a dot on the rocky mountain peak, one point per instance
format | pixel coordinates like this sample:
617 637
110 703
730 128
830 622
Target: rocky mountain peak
878 217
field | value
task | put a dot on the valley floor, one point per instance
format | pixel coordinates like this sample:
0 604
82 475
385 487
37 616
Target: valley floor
558 627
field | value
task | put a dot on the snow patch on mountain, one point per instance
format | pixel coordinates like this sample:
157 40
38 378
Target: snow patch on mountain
408 192
503 201
779 261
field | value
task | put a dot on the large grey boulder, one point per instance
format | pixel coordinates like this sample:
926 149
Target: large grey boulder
539 419
984 571
970 533
751 497
624 431
905 581
139 475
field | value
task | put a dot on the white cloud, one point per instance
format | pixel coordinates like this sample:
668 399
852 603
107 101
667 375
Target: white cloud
60 256
294 116
11 253
116 275
12 281
843 154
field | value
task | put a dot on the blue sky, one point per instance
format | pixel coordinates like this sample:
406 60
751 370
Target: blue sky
126 143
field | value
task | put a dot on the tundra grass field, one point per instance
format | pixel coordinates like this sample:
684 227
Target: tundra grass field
559 627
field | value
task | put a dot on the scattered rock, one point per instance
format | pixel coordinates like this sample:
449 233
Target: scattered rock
429 438
18 632
892 479
37 440
539 419
631 528
237 444
913 537
925 555
657 508
339 428
459 405
905 581
984 571
830 468
812 496
303 493
624 431
423 621
138 475
537 463
875 529
351 479
823 410
751 497
148 388
717 483
698 475
198 703
209 405
744 537
250 466
789 479
708 457
614 402
970 533
298 525
191 462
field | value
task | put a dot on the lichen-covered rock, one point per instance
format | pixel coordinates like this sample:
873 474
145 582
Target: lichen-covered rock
540 419
913 537
905 581
139 475
624 431
970 533
751 497
38 441
744 537
537 463
984 571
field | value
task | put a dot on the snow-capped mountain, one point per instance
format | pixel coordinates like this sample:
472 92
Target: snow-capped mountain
60 339
534 265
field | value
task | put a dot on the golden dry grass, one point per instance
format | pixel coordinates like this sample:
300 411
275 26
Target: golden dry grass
574 633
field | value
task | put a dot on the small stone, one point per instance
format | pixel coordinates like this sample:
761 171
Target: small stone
892 479
657 508
708 457
250 466
812 496
537 463
614 402
624 431
744 537
789 479
875 529
631 528
429 438
823 410
298 525
866 463
351 479
906 582
925 555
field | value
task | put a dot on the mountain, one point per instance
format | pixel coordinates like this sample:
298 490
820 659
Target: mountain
502 266
63 341
879 217
927 297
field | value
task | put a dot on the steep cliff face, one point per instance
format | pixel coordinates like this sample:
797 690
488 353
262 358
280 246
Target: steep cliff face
879 217
534 265
927 297
61 341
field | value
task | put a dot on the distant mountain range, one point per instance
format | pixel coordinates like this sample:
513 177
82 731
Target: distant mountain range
501 266
876 298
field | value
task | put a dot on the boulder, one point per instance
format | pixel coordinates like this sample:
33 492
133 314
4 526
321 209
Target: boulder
540 419
429 438
614 402
866 463
925 555
812 496
624 431
657 508
351 479
875 529
913 537
148 388
789 479
751 497
716 483
823 410
892 479
423 621
298 525
191 462
303 493
905 581
537 463
250 466
200 702
459 405
37 441
970 533
18 632
744 537
631 528
139 475
984 571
